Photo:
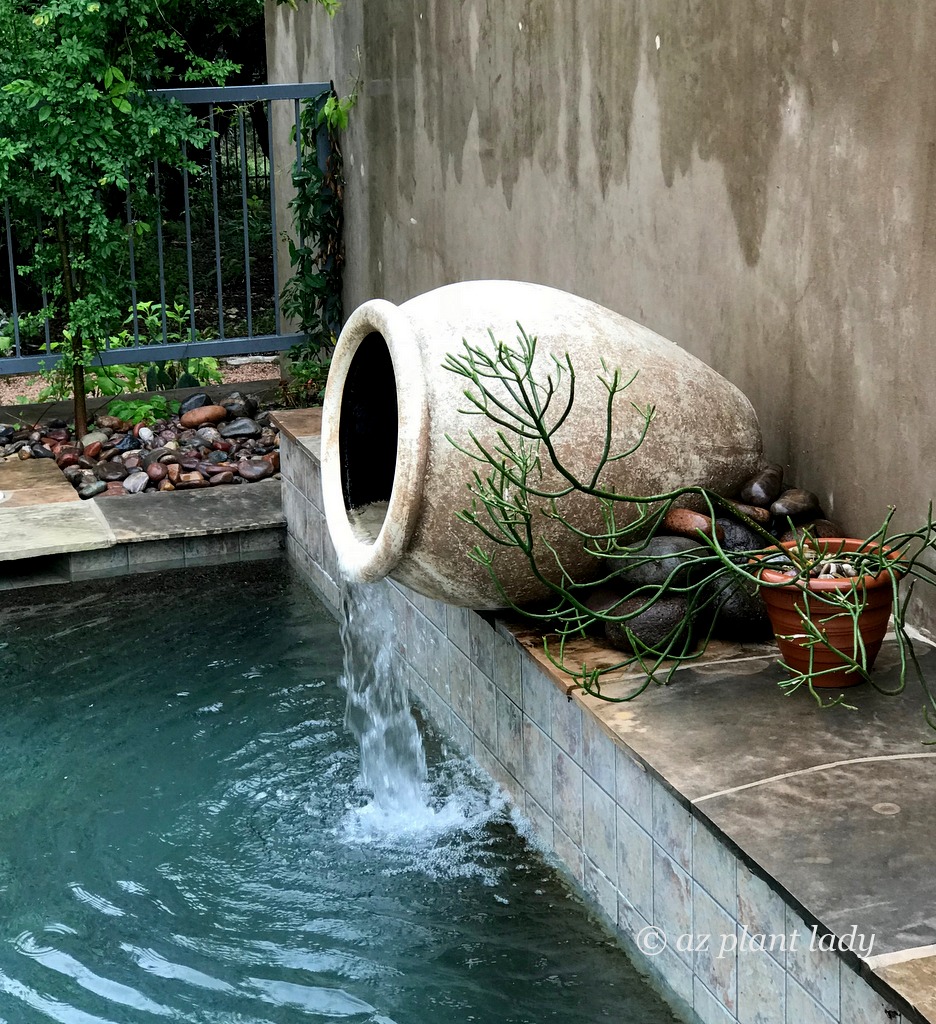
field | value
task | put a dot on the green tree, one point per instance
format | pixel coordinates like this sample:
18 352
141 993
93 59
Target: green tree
78 129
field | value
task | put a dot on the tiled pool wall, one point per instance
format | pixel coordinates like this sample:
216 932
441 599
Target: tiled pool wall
642 858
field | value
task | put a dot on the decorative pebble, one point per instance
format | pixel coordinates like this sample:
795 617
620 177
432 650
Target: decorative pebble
796 503
135 483
194 402
686 523
90 490
764 488
653 627
205 414
242 427
252 471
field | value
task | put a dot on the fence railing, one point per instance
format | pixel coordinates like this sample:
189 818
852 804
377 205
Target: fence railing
205 281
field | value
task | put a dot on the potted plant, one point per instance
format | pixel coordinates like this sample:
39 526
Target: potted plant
823 592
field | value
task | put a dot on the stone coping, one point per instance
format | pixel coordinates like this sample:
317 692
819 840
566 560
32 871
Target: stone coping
832 807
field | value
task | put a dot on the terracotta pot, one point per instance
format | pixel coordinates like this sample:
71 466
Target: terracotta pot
787 607
389 405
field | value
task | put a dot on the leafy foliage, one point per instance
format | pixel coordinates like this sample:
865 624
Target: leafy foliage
312 296
143 410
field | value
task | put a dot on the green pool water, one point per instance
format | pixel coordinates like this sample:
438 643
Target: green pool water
181 833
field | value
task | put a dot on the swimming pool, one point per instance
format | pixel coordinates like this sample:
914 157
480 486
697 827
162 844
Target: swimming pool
182 836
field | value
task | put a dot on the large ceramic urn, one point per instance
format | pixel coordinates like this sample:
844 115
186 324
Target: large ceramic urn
393 481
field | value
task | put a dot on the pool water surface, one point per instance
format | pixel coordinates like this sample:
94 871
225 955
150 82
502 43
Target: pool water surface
182 834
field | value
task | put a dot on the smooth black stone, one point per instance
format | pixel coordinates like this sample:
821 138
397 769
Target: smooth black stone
654 628
239 405
796 503
155 455
739 610
58 424
218 457
194 402
264 419
739 537
242 427
666 554
41 452
6 433
764 488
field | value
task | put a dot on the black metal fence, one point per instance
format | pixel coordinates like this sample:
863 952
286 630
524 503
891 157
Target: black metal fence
205 281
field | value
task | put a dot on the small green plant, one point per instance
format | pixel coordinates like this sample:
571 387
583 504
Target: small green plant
306 384
143 410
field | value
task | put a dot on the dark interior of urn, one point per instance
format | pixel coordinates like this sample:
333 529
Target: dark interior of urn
367 430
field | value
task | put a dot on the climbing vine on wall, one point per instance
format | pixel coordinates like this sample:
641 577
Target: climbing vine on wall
312 296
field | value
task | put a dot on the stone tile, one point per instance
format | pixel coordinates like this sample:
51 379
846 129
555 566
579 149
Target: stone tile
481 643
329 558
540 821
708 1009
295 424
567 794
716 958
489 762
567 725
631 922
440 714
270 540
714 867
600 828
208 510
509 734
915 980
150 553
47 494
104 562
316 533
761 911
861 1004
672 902
459 675
570 855
437 660
484 708
415 625
537 694
199 550
601 890
761 989
816 970
58 529
506 669
633 788
672 826
537 764
801 1008
457 628
462 737
435 613
635 864
677 974
597 753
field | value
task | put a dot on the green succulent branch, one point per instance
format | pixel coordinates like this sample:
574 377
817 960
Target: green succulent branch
511 495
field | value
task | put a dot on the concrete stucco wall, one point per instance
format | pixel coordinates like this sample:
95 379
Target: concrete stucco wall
753 181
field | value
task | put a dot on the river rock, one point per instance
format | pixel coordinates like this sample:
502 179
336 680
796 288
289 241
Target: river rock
253 470
24 453
146 436
685 523
7 431
226 477
194 402
755 512
738 537
136 482
128 443
218 456
90 490
208 435
40 451
739 610
239 405
764 488
73 474
108 471
94 437
242 427
274 460
666 554
166 485
653 627
173 472
205 414
189 480
105 422
156 471
796 503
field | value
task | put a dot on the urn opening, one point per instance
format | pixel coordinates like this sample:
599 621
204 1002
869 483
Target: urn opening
375 428
367 437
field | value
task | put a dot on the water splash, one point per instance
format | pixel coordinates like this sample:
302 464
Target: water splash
378 715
